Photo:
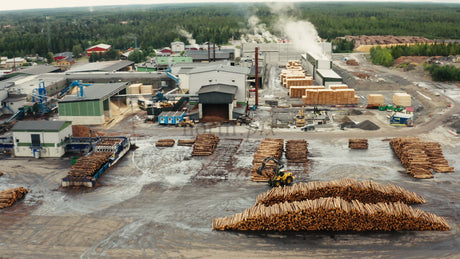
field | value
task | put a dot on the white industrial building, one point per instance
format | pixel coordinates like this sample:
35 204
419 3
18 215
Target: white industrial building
41 138
320 67
177 46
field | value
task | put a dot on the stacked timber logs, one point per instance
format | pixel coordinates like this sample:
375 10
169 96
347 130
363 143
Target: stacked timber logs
296 151
186 142
10 196
358 143
87 166
269 147
165 143
331 214
347 189
205 144
420 157
1 173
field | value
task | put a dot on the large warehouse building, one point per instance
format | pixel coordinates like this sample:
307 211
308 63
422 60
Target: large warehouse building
94 107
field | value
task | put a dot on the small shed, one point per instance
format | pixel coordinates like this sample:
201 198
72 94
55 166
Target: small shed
41 138
171 117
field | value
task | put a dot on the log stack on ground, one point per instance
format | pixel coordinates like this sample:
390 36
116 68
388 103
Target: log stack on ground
87 166
1 173
296 151
269 147
347 189
205 144
331 214
420 157
165 143
186 142
10 196
358 143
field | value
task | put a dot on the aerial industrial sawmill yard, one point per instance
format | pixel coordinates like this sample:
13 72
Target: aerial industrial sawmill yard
288 152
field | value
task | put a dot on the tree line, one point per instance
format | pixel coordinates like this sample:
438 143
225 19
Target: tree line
57 30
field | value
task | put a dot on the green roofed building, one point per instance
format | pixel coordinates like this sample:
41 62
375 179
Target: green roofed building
41 138
94 106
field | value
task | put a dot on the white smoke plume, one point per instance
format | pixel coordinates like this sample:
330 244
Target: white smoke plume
189 37
257 32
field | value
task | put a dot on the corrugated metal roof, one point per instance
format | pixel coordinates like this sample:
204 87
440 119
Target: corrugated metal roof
38 125
221 88
218 68
38 70
107 66
96 92
328 73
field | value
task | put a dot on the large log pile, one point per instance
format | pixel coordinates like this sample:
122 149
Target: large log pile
205 144
10 196
420 157
296 151
331 214
186 142
269 147
87 166
358 143
165 143
347 189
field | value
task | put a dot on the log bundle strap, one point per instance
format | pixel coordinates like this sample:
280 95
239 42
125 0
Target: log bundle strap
358 143
10 196
269 147
205 144
347 189
331 214
419 157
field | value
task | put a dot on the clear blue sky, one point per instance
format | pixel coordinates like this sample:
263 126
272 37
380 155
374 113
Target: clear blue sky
34 4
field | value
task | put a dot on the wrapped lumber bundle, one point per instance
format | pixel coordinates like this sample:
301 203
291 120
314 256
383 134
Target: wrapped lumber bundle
329 97
298 81
402 99
375 100
269 147
347 189
358 143
331 214
165 143
186 142
134 89
10 196
339 86
296 151
205 144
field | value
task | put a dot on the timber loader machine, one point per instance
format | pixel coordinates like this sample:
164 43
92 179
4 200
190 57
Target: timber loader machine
280 177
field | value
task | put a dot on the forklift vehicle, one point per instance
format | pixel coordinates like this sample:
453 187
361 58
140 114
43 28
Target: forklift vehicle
280 177
186 122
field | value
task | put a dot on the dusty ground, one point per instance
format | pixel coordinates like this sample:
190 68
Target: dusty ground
159 202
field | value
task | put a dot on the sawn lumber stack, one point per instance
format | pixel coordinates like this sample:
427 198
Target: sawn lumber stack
358 143
10 196
165 143
296 151
420 157
205 144
331 214
347 189
269 147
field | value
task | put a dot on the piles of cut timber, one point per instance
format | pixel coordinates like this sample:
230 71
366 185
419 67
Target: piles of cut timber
269 147
296 151
10 196
420 157
87 166
295 76
1 173
165 143
205 144
331 214
330 96
347 189
358 143
186 142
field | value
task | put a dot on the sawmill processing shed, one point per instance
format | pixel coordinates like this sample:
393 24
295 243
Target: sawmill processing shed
217 102
41 138
94 107
320 67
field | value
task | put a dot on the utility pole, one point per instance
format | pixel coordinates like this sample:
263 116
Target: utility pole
257 75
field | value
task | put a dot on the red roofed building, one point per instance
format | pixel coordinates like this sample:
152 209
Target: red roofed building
99 48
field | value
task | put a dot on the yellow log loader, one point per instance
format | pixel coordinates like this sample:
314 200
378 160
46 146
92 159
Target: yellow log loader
280 177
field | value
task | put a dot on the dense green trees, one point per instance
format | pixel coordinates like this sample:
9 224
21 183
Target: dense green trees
156 26
342 46
444 73
381 56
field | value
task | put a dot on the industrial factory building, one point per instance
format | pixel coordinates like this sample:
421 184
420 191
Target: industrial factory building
93 107
41 138
320 67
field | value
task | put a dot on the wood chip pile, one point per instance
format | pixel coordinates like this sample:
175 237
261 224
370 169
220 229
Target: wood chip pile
420 157
87 166
331 214
358 143
10 196
347 189
296 151
165 143
186 142
205 144
269 147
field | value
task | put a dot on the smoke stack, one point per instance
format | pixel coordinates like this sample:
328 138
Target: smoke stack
257 75
214 52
